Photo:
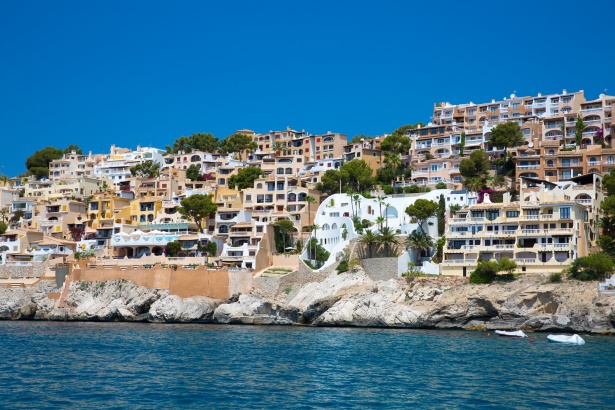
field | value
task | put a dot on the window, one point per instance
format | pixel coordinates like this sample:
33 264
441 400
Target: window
610 160
512 214
566 162
564 212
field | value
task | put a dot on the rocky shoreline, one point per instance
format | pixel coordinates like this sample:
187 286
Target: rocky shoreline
530 303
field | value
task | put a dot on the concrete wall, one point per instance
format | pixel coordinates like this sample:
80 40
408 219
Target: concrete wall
180 281
286 261
380 268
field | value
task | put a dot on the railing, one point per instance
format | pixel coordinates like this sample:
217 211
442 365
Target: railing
546 216
539 105
591 110
525 261
594 163
528 166
530 217
589 133
459 233
546 231
583 201
477 219
504 246
231 258
470 246
454 261
458 220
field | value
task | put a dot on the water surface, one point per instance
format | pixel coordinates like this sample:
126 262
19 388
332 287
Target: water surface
123 365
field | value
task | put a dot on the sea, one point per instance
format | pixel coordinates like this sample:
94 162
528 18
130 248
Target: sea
59 365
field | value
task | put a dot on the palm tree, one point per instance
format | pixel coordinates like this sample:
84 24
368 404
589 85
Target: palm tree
393 161
387 238
368 239
285 226
314 228
380 220
277 147
310 200
498 181
419 241
4 213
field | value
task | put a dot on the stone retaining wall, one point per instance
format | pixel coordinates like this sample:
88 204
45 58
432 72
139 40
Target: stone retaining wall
17 272
380 268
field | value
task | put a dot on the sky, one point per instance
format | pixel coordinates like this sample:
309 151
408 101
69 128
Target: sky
96 73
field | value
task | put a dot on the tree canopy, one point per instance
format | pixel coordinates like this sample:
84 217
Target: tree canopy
198 141
245 178
396 143
507 135
596 266
71 148
197 207
475 169
193 173
38 163
357 173
236 144
147 169
421 210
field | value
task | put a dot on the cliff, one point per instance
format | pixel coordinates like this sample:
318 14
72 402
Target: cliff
350 299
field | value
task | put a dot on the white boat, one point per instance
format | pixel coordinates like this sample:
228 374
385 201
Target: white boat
511 333
573 340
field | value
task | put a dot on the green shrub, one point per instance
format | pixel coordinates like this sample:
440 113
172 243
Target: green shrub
485 272
407 190
596 266
399 190
388 189
288 290
414 189
342 267
555 277
310 264
441 185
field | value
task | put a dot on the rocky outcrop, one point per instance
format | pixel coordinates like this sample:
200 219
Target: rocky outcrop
27 303
348 299
110 300
173 309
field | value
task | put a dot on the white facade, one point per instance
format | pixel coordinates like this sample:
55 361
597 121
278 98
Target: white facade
335 215
116 166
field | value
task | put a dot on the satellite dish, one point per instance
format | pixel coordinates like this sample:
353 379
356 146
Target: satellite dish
531 145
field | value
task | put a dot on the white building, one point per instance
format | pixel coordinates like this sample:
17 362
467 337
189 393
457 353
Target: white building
116 166
334 218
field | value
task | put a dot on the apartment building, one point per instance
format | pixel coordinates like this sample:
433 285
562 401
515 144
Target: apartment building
73 165
366 150
545 230
61 219
310 147
312 172
103 208
274 198
116 166
81 187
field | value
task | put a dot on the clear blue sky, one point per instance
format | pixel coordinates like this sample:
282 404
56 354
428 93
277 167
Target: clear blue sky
146 72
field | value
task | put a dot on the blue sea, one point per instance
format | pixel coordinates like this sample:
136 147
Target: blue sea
145 366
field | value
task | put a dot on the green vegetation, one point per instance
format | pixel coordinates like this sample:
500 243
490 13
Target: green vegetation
555 277
475 170
3 227
579 127
198 207
421 210
441 185
596 266
245 178
236 144
354 175
283 228
420 241
486 271
441 215
37 164
147 169
193 173
199 141
173 248
507 135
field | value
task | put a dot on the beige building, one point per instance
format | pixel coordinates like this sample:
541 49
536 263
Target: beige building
544 231
74 165
46 190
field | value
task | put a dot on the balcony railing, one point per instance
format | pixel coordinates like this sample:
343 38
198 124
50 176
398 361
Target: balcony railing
525 261
583 201
528 166
591 110
594 163
504 246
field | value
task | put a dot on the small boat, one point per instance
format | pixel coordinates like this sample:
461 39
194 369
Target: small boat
511 333
573 340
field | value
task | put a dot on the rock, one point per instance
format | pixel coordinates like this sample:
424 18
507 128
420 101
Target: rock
253 309
28 311
333 286
175 309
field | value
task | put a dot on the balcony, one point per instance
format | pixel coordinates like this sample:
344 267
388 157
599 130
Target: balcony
548 232
539 105
529 217
594 163
583 201
500 247
589 133
591 110
524 167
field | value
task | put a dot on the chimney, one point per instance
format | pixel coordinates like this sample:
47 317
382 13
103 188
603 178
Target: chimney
564 91
540 94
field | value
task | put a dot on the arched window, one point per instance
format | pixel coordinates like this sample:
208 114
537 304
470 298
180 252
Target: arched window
334 226
550 163
325 227
610 160
551 152
259 186
592 159
289 171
